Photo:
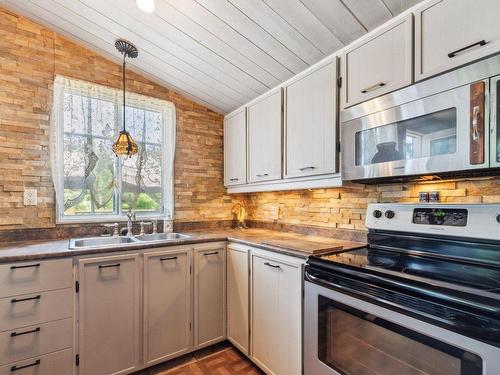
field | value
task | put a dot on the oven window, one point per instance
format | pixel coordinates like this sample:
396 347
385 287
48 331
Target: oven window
357 343
426 136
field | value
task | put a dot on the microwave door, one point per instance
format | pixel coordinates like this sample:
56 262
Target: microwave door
495 122
428 136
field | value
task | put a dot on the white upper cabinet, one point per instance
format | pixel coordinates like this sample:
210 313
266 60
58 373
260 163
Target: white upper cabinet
450 33
235 148
310 123
379 64
264 128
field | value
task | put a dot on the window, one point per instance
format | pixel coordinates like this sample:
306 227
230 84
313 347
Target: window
91 183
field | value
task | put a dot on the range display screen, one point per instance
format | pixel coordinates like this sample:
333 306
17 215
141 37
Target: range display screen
453 217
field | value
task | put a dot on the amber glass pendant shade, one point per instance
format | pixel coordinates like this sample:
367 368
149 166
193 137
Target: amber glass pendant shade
125 145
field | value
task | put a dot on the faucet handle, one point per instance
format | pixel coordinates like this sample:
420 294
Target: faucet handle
114 226
143 223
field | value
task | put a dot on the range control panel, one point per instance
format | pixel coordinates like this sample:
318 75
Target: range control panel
454 217
458 220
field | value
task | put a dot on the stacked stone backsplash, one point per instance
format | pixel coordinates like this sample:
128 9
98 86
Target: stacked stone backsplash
30 56
344 208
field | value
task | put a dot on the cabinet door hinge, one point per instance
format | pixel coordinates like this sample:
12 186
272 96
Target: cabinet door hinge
77 360
339 82
77 286
338 146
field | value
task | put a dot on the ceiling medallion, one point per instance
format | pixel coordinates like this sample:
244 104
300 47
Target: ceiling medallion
125 144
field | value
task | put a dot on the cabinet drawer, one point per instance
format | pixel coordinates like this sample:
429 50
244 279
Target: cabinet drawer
32 341
35 308
380 64
58 363
35 276
450 33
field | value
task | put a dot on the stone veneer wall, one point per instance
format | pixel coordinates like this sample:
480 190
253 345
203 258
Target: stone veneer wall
30 56
344 208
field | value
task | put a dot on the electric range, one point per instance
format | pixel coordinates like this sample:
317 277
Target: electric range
422 298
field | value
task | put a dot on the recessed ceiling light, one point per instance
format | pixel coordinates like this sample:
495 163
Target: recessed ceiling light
147 6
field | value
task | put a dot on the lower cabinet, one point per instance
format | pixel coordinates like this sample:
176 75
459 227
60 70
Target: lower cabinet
209 295
276 313
108 311
238 296
167 305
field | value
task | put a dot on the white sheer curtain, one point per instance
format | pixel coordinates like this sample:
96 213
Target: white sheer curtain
90 182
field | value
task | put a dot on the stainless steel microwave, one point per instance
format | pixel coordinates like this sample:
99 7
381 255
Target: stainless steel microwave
439 126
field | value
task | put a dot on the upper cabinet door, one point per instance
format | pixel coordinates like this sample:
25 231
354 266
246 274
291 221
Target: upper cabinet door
450 33
380 64
310 123
235 148
265 137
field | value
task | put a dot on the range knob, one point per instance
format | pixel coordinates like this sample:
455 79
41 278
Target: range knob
389 214
498 218
378 214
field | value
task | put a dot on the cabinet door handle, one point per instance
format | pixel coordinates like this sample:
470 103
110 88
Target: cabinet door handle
454 53
233 179
109 265
169 258
16 368
212 253
15 300
371 88
25 266
271 265
14 334
262 175
306 168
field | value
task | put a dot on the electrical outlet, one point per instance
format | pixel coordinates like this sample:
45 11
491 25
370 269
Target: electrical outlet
30 197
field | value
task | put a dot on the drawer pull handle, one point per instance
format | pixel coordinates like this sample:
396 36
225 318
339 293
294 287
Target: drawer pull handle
109 265
170 258
212 253
15 300
263 175
25 266
16 368
233 179
306 168
454 53
14 334
371 88
271 265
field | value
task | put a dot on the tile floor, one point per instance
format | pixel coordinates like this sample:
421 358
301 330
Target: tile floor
221 359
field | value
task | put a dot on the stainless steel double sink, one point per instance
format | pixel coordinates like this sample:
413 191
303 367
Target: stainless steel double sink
105 242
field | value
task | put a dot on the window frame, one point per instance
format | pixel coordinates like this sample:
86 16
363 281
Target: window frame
167 110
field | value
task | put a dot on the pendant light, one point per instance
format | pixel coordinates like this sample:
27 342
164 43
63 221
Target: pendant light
147 6
125 144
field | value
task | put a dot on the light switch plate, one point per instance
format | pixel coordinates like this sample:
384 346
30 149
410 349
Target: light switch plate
30 197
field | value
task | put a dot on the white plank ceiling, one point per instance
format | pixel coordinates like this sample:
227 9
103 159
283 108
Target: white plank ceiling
221 53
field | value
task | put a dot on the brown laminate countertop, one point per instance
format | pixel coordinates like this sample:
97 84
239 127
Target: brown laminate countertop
300 245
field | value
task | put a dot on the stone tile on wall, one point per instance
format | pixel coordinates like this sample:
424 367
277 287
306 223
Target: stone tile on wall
30 56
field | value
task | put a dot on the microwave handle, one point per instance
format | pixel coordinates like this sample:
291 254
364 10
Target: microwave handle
476 121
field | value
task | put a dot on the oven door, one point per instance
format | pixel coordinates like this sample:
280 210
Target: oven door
344 335
441 133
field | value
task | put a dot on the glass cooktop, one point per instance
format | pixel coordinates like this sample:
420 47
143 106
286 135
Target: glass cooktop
456 273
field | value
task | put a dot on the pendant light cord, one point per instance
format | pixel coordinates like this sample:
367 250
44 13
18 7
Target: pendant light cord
123 77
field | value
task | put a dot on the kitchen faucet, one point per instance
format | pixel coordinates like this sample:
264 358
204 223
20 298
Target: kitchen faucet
130 218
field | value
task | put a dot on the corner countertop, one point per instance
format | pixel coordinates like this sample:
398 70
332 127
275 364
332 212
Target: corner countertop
293 244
